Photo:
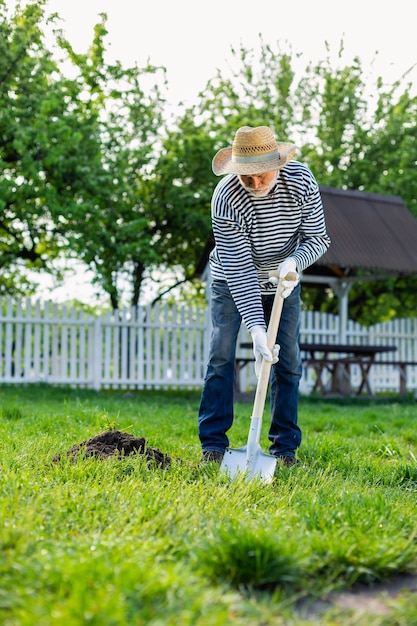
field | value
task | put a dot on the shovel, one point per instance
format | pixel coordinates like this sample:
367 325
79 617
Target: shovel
250 459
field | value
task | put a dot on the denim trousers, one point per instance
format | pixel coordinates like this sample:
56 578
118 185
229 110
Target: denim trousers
216 410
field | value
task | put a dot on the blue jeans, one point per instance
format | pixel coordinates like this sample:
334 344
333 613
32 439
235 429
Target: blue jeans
215 416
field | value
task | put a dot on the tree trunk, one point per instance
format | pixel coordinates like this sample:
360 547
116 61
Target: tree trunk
137 279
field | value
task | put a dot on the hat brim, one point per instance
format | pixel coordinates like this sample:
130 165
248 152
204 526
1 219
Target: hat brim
222 162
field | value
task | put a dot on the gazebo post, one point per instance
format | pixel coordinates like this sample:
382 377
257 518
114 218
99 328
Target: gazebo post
341 289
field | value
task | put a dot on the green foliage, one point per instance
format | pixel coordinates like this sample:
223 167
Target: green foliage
180 194
74 155
259 91
94 168
383 300
31 127
352 135
114 230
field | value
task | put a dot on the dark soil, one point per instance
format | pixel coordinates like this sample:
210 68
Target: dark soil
117 443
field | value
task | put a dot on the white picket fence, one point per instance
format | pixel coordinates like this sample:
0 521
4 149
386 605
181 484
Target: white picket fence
319 327
157 347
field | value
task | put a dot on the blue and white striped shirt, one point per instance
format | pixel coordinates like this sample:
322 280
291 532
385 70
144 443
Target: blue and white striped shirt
253 235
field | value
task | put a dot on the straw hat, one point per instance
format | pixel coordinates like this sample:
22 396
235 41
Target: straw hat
254 151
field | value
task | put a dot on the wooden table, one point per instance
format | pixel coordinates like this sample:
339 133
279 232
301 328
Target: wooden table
337 359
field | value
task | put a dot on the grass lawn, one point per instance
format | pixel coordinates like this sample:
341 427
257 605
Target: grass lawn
124 543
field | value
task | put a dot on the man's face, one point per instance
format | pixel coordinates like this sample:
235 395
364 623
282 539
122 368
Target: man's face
259 185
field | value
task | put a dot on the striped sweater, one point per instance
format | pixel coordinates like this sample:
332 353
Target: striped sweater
254 235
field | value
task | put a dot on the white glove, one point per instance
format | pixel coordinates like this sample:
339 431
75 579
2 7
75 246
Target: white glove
289 265
261 350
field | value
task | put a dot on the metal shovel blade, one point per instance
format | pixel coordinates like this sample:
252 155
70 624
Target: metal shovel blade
257 464
250 459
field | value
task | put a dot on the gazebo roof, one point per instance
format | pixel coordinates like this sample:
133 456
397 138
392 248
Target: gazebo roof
369 232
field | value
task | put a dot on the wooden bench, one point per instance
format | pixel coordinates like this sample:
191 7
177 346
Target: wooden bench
402 366
240 363
337 359
332 365
339 369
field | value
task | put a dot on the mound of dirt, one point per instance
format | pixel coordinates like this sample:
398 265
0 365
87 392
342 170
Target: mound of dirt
117 443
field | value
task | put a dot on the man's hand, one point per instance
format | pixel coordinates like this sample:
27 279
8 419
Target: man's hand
289 265
261 350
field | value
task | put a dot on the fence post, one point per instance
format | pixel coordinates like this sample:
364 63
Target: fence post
96 355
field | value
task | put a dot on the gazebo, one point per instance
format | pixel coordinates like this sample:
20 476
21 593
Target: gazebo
374 237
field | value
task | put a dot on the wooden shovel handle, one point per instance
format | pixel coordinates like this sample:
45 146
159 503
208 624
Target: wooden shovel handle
277 307
263 380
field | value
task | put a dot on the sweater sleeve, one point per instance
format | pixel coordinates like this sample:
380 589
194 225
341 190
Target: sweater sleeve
234 252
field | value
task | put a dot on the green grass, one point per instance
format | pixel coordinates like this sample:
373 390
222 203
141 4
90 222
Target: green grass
116 542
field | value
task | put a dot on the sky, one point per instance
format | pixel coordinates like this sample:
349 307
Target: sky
193 39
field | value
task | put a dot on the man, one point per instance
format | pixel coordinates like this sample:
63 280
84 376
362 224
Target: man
266 214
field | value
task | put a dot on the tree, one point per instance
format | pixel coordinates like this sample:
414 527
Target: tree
75 155
47 145
92 168
347 142
368 142
365 138
179 196
112 230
